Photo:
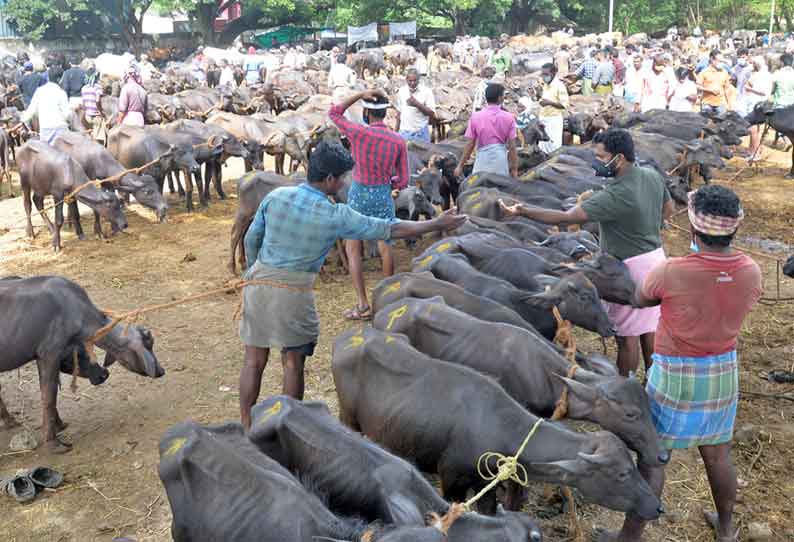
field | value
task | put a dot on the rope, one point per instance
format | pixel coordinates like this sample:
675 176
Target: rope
131 316
508 468
683 159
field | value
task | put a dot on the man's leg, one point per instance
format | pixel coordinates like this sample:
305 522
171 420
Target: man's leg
251 381
386 258
293 362
633 526
628 354
647 341
353 249
722 479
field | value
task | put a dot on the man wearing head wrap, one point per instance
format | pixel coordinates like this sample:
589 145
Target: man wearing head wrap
132 99
693 384
381 165
293 230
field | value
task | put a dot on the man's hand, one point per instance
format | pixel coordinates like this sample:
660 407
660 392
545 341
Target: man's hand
458 171
413 102
514 173
449 220
372 94
394 193
510 210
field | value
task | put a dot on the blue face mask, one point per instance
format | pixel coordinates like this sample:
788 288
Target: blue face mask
693 246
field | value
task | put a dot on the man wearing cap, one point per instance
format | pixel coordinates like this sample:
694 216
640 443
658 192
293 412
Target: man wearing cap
381 165
693 385
29 82
293 230
416 108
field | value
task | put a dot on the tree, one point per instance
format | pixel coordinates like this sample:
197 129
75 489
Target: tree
34 17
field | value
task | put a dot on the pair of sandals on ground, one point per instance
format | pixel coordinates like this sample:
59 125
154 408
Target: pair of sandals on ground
24 487
358 314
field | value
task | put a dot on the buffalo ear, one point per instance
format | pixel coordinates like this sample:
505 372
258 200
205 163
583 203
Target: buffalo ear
110 359
587 394
563 470
545 300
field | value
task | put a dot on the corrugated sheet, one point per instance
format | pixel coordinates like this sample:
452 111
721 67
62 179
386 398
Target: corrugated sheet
7 31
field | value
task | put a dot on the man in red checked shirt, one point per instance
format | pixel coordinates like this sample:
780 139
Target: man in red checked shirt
381 166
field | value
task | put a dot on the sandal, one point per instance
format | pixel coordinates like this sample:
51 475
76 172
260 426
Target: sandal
21 488
45 477
358 313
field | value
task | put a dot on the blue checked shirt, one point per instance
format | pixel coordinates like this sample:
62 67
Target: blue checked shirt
295 228
587 69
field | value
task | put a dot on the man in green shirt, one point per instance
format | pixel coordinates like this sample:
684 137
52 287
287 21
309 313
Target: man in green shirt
783 82
630 211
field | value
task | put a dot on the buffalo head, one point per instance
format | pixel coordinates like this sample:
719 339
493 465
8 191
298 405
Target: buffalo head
578 301
133 349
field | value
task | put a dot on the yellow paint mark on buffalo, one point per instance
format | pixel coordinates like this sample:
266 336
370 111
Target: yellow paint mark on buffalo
272 411
474 195
424 261
443 247
175 446
476 206
389 339
355 342
391 288
473 179
395 314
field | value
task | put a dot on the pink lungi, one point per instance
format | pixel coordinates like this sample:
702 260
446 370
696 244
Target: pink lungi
627 320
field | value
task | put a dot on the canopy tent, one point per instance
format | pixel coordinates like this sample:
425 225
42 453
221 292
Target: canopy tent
282 35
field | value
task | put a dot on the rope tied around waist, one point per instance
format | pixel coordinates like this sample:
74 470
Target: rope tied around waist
507 468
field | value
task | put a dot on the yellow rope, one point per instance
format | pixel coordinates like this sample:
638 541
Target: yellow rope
508 468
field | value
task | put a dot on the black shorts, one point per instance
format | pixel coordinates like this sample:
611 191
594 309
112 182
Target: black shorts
305 349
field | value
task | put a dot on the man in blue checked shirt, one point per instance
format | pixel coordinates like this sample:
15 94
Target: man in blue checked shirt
586 72
292 232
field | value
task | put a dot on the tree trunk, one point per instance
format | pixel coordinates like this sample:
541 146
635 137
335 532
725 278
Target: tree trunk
460 22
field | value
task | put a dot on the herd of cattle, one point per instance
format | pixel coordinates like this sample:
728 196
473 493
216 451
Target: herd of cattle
459 360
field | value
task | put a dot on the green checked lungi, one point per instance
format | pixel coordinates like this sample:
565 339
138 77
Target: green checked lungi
693 399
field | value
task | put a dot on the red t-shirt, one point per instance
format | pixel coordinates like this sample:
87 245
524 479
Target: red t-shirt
704 299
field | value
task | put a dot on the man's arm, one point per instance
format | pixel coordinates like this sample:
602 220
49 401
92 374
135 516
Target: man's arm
464 158
254 236
445 222
577 215
668 209
403 175
353 225
337 113
650 291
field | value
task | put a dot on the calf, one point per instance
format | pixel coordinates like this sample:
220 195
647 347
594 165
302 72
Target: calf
46 171
194 458
98 163
50 316
251 190
529 369
412 404
306 439
575 297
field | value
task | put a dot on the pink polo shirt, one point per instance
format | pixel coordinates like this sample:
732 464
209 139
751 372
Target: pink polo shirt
490 126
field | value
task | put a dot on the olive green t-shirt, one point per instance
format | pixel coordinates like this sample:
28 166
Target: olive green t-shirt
629 213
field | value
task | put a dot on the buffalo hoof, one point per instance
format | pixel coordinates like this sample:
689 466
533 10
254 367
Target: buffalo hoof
602 535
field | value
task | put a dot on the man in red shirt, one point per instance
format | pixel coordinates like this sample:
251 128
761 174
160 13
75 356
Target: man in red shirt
693 384
381 166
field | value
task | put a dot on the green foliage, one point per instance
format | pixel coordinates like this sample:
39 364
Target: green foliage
34 17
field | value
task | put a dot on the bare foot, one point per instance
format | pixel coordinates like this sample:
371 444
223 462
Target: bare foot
602 535
713 520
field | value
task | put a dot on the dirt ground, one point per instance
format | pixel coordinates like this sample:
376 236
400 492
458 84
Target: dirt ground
112 488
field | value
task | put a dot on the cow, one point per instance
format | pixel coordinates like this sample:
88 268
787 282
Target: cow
43 171
50 316
575 296
529 369
780 119
98 163
251 190
134 147
192 460
305 438
412 405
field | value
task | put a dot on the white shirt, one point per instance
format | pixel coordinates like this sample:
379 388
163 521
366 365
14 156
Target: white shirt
289 60
51 105
420 64
411 119
633 81
654 94
341 75
227 77
682 91
479 95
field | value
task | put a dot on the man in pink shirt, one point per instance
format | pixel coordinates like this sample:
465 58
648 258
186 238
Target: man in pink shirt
693 384
493 131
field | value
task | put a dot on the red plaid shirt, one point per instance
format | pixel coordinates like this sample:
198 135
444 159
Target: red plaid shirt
380 153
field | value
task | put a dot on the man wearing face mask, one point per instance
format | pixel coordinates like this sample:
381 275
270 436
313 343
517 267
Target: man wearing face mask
630 211
553 102
715 84
381 165
741 73
293 230
693 385
655 86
